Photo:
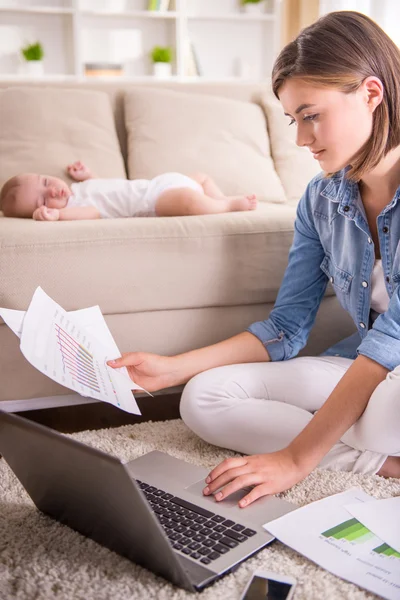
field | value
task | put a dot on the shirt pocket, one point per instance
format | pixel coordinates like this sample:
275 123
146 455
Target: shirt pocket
340 280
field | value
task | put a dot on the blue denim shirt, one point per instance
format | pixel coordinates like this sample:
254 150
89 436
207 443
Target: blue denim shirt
332 242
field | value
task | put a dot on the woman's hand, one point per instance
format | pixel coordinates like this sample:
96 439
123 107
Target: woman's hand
150 371
269 473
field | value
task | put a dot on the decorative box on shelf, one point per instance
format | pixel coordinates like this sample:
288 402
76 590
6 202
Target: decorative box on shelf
103 69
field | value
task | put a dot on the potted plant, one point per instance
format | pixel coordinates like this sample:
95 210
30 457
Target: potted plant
33 55
162 58
253 6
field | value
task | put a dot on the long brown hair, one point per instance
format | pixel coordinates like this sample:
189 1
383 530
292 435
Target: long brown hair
340 50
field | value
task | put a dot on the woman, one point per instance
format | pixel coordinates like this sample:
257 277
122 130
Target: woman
338 83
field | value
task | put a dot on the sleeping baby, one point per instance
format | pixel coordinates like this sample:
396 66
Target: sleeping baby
47 198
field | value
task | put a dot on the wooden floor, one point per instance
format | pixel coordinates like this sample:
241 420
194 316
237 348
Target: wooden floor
100 415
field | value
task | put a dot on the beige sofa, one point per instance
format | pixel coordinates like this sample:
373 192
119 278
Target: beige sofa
165 285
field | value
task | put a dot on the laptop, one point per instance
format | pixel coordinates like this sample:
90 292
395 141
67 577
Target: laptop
150 510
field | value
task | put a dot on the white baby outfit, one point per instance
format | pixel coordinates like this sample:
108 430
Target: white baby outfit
127 198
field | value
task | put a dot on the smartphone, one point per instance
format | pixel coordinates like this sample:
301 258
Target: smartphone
266 585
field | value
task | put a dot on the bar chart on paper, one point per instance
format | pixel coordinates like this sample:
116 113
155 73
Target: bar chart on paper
356 533
60 346
327 533
77 360
71 360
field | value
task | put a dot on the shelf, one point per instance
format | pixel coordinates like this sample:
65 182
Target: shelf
139 14
227 43
40 10
232 17
126 79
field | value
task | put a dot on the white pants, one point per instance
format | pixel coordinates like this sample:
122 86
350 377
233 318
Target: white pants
260 407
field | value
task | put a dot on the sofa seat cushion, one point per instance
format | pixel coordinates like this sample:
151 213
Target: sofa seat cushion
145 264
43 130
170 130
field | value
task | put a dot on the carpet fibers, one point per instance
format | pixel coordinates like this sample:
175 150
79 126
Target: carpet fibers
43 560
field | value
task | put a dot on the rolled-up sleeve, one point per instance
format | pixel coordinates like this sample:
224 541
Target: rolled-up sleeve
287 328
382 342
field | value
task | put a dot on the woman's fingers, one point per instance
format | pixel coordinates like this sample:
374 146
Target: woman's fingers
243 481
228 463
225 478
128 359
257 492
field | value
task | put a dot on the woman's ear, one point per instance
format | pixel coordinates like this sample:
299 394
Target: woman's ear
372 91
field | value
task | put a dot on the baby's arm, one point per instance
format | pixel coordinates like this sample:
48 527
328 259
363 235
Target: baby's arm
73 213
78 213
79 171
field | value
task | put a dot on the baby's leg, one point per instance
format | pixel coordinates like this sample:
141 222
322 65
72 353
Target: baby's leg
186 201
209 186
211 189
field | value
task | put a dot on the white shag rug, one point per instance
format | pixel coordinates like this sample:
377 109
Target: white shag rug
43 560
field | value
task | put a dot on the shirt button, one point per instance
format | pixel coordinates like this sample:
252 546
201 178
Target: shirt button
369 240
365 284
331 279
362 325
385 229
388 279
346 208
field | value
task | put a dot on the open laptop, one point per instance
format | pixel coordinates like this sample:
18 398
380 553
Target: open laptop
150 510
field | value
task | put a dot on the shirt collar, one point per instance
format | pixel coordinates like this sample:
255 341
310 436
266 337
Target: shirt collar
346 193
343 191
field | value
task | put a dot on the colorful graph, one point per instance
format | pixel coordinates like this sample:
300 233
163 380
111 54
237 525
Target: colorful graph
354 531
77 360
351 530
387 551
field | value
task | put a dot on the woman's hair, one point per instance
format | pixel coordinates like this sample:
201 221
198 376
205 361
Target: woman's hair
341 50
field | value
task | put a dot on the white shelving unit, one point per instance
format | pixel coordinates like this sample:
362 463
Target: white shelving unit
227 43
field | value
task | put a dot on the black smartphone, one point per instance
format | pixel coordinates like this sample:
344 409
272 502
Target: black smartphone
266 585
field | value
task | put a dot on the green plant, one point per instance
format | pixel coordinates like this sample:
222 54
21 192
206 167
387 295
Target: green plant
33 51
250 1
160 54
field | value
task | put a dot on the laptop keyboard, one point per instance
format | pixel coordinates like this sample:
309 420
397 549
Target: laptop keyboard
193 530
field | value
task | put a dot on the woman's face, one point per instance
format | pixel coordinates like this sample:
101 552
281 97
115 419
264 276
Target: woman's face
332 124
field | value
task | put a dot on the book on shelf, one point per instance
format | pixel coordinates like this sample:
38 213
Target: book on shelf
102 69
193 67
160 5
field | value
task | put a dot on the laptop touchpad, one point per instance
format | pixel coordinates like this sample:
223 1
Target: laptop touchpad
232 500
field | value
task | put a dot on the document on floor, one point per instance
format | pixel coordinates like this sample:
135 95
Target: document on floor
72 348
326 533
382 517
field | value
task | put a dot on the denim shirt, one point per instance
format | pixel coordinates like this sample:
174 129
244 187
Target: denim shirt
332 242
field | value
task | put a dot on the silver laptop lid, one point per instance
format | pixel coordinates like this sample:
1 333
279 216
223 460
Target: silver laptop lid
92 493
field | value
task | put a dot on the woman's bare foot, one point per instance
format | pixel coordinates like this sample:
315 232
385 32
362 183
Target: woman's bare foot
238 203
391 467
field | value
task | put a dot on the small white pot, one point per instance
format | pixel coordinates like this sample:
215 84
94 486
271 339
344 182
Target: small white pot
34 68
162 70
254 9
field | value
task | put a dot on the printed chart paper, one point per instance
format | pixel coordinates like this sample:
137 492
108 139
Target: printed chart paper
382 517
326 533
72 349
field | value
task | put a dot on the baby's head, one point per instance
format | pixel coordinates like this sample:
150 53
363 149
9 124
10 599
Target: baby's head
21 195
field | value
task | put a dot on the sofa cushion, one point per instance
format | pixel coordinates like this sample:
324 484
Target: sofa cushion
43 130
294 165
170 130
143 264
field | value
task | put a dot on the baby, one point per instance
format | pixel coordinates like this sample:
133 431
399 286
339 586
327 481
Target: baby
47 198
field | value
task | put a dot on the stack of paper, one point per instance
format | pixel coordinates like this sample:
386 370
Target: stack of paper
72 348
351 535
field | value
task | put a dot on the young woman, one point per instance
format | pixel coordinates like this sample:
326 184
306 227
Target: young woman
339 84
